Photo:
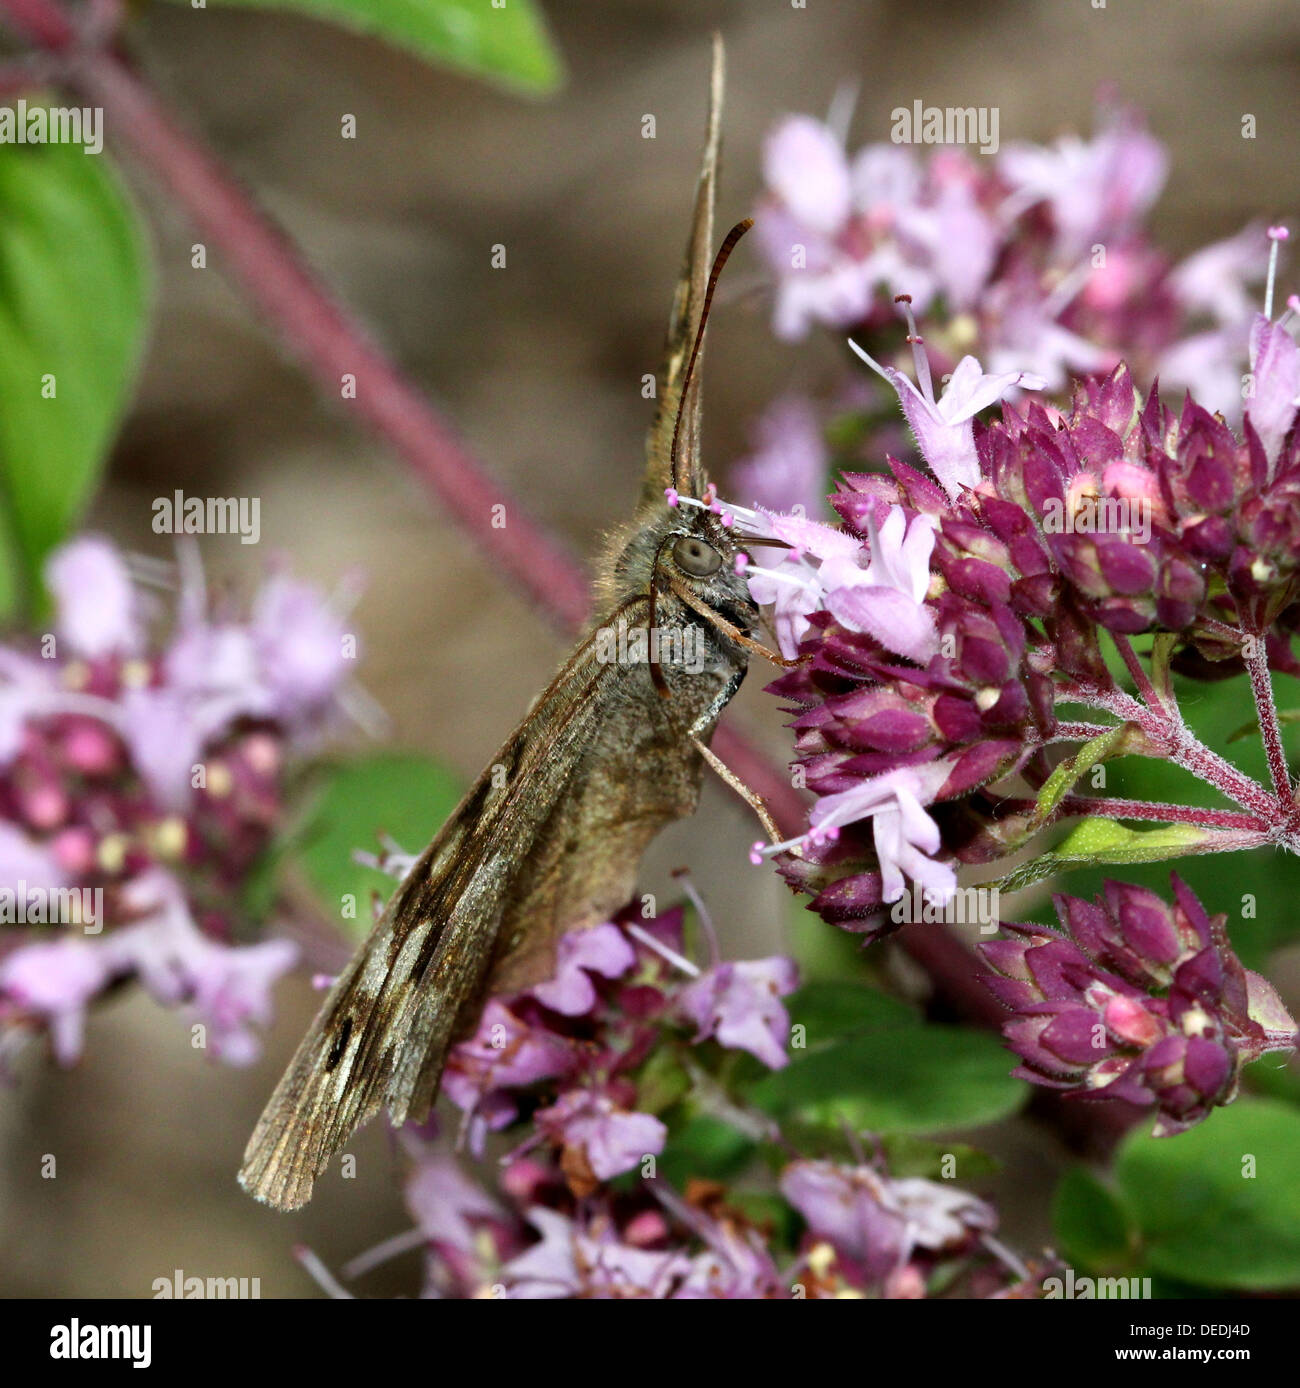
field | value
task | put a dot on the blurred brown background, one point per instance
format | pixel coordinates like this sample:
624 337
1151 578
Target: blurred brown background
539 365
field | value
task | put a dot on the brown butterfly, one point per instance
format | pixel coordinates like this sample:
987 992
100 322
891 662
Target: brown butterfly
550 836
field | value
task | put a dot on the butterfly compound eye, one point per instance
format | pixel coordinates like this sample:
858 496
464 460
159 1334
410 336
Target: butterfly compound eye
696 557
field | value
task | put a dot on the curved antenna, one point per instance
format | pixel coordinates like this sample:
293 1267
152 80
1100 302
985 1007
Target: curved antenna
724 251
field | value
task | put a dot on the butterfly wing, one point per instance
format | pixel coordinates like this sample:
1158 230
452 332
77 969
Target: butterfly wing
382 1034
688 305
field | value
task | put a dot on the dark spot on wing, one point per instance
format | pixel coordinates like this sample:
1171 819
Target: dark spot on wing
340 1045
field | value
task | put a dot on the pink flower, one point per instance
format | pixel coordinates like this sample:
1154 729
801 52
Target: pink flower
788 468
1208 364
793 585
804 165
943 428
611 1139
96 609
504 1053
299 639
228 986
56 982
603 950
1214 279
165 738
446 1204
904 834
1093 188
1275 364
735 1262
1024 327
957 238
22 859
887 598
592 1261
739 1005
876 1221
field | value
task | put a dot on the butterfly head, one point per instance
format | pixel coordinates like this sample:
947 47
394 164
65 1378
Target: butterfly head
700 564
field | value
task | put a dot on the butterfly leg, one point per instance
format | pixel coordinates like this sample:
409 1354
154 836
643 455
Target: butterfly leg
750 797
706 720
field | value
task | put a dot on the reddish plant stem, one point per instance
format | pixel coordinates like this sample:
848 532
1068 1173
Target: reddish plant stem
1255 654
1118 808
1168 732
1140 677
1079 732
41 21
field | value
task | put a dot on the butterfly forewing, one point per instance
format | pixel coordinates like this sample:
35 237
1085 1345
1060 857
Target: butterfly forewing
382 1034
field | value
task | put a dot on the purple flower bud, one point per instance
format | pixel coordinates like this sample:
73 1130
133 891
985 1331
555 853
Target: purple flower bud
1147 1002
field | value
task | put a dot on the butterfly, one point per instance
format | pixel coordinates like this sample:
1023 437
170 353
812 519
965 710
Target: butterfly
550 837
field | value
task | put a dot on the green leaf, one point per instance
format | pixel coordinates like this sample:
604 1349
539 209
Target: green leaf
1203 1217
1275 1077
404 797
1163 645
1093 1229
662 1082
704 1146
907 1155
74 292
914 1078
829 1011
1097 840
510 45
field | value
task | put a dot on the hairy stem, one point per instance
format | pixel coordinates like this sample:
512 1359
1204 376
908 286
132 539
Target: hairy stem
1079 732
1140 677
1181 745
1116 807
1255 654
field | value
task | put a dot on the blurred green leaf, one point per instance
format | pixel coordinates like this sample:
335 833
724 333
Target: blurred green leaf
1274 1076
914 1078
907 1155
510 45
704 1146
829 1011
404 797
1203 1217
1094 1232
74 292
1284 716
662 1082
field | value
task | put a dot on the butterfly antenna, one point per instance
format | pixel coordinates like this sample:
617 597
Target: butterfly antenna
719 260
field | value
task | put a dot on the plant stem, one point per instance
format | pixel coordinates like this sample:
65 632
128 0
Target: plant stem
1255 654
1135 668
1116 807
1079 732
1185 749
